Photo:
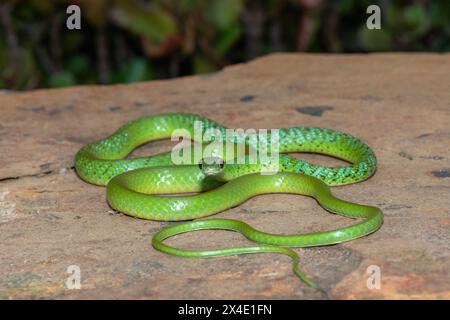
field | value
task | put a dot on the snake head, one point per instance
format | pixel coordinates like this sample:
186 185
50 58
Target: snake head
211 166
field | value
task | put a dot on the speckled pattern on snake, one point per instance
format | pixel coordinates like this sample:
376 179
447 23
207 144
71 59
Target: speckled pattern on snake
134 186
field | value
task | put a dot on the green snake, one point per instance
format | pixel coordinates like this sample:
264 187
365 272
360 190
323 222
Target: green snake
140 186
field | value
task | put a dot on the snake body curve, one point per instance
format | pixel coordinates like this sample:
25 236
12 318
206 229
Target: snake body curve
134 186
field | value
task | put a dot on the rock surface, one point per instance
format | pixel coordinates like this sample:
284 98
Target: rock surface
398 103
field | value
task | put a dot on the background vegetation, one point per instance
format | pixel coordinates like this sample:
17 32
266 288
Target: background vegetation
136 40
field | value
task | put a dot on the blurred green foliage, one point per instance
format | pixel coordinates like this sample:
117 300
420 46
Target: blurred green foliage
123 41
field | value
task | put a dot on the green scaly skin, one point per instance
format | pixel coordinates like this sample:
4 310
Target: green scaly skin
133 185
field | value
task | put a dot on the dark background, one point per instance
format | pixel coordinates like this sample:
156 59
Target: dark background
125 41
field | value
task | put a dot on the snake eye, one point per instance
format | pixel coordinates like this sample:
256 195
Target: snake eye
211 165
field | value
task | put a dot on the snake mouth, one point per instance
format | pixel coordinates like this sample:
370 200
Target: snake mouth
211 165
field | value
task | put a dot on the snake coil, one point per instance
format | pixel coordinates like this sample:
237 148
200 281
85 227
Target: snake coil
134 186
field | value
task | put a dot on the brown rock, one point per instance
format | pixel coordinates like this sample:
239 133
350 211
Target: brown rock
398 103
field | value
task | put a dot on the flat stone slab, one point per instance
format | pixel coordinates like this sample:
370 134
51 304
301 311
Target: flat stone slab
398 103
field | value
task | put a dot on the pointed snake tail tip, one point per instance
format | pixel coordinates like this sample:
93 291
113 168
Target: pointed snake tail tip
311 283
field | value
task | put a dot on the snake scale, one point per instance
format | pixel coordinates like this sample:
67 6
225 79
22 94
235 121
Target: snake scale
139 186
